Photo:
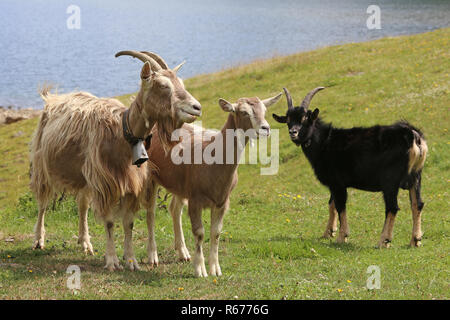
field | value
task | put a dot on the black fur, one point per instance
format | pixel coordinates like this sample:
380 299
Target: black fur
371 159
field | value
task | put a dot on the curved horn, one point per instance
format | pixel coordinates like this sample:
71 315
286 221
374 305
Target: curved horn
157 58
141 56
309 96
289 99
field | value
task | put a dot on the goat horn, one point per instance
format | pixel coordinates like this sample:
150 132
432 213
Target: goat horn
157 58
178 67
141 56
288 98
309 96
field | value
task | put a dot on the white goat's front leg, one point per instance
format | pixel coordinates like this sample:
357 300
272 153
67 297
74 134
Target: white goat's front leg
112 262
39 228
195 214
217 215
151 247
176 210
83 229
128 252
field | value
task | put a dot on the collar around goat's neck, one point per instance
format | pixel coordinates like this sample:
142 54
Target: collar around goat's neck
139 145
324 137
127 132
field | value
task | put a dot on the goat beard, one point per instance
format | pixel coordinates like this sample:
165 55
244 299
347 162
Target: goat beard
164 131
297 142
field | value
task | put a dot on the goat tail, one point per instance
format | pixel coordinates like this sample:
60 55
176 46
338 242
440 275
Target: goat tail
417 152
38 173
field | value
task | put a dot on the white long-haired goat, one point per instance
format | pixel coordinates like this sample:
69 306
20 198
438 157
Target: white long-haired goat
81 146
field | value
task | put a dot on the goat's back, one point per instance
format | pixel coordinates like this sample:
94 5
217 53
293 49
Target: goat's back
371 158
79 143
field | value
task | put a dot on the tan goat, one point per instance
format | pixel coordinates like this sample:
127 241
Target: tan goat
204 185
79 146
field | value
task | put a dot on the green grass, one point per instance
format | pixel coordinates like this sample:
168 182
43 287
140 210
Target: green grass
270 246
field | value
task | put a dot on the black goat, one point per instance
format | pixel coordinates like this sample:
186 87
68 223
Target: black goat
379 158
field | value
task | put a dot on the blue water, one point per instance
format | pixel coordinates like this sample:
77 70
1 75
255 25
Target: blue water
36 47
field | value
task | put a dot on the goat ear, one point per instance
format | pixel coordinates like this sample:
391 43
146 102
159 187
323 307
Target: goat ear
146 71
226 106
280 119
314 114
270 101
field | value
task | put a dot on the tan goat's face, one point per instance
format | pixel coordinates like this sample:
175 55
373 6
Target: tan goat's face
249 113
165 91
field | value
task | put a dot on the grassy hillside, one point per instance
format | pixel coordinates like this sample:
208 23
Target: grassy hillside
270 246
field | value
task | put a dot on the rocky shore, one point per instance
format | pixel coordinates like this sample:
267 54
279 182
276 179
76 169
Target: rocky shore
10 115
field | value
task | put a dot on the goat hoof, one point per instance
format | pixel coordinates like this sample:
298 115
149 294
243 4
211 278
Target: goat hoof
200 271
342 239
329 234
214 270
184 259
153 259
183 255
132 264
200 274
112 264
113 267
38 244
415 243
386 243
87 247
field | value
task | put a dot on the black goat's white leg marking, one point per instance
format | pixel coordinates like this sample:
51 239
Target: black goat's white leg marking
195 214
176 211
414 195
331 228
344 230
112 262
387 233
217 215
340 198
83 229
390 201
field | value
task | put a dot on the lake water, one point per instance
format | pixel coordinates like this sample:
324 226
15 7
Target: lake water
36 47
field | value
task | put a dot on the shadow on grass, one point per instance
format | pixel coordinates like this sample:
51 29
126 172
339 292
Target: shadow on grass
25 263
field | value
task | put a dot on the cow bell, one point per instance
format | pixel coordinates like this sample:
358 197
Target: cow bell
139 153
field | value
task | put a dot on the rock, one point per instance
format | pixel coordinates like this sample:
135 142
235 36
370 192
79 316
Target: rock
12 119
10 115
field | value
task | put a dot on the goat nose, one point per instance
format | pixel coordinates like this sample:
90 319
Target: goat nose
267 128
293 131
197 106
